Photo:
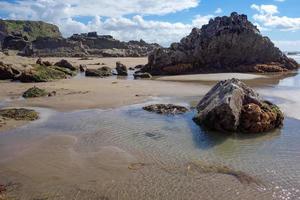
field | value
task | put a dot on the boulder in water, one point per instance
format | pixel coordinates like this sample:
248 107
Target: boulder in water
232 106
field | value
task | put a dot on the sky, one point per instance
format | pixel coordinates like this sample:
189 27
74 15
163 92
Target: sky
160 21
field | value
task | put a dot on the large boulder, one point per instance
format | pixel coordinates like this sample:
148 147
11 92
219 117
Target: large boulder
121 69
226 44
232 106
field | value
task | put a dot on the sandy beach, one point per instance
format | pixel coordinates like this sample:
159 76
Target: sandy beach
92 141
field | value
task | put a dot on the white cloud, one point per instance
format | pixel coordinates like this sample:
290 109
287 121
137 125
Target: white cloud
200 20
218 11
268 16
285 45
52 9
265 9
134 28
109 17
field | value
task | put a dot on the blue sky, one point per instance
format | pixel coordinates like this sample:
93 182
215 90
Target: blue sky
162 21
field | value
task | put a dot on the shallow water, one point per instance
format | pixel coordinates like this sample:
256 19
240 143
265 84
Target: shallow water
127 153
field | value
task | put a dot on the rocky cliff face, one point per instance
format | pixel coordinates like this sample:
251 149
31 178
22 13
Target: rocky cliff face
106 45
30 29
87 44
226 44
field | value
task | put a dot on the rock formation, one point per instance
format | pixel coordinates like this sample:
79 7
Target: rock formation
87 44
232 106
226 44
29 29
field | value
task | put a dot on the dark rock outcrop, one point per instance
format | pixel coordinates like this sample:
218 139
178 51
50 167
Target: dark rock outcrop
232 106
54 47
101 72
166 109
121 69
226 44
15 42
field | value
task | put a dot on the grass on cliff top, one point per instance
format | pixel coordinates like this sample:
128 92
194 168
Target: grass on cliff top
19 114
31 29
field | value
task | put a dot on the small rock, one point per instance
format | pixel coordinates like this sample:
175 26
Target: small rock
65 64
82 67
121 69
34 92
44 63
166 109
51 94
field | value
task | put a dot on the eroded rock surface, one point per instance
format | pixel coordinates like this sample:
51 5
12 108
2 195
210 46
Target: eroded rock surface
226 44
232 106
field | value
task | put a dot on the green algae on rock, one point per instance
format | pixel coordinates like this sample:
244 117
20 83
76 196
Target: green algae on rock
41 73
34 92
19 114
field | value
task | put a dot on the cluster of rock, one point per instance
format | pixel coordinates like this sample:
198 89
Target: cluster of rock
30 39
42 71
232 106
226 44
